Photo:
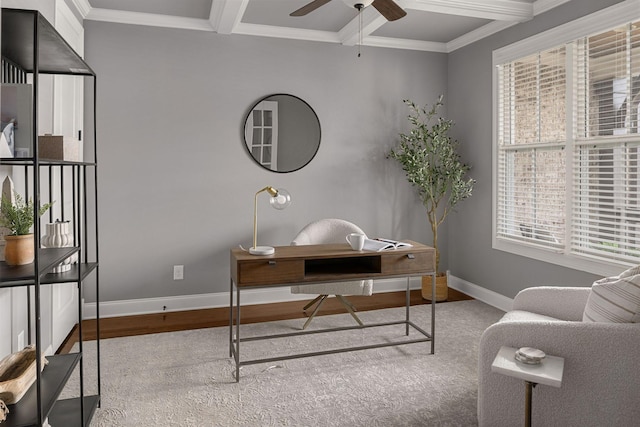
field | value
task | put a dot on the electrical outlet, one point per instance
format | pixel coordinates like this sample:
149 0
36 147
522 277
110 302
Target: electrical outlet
178 272
21 340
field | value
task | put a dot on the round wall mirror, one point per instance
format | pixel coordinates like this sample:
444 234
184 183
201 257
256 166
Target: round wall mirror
282 133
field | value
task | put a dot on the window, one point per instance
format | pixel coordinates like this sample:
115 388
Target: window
605 209
532 140
567 149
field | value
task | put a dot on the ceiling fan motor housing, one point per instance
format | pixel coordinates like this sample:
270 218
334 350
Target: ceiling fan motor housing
358 4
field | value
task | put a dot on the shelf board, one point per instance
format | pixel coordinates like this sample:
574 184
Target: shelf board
71 275
55 54
29 161
21 275
54 377
66 412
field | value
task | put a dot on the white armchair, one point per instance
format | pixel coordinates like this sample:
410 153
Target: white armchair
327 231
601 381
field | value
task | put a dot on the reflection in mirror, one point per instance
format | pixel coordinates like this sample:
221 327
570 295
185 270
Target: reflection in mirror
282 133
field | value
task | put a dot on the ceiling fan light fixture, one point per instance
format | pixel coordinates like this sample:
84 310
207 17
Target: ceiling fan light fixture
356 3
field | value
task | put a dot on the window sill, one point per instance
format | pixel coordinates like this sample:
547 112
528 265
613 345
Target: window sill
597 267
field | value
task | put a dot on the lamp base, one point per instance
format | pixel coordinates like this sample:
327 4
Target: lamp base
262 250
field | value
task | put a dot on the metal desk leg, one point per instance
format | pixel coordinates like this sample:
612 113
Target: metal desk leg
433 312
238 335
407 305
230 318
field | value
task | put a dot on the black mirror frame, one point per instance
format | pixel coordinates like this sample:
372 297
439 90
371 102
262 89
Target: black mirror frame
246 118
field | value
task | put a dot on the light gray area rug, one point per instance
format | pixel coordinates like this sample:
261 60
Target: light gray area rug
186 378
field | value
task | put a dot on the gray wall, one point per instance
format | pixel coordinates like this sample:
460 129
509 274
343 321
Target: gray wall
470 95
176 182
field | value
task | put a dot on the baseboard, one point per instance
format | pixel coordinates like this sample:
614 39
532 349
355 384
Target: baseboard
220 299
266 296
482 294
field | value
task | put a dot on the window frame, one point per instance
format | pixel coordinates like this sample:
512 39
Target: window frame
600 21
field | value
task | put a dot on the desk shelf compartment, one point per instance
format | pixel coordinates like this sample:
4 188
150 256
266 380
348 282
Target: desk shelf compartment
325 268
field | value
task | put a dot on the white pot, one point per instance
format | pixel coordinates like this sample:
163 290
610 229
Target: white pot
58 236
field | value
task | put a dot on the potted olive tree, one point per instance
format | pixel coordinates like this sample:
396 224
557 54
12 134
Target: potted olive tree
430 159
18 217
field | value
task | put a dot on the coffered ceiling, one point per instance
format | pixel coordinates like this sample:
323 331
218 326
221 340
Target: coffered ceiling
430 25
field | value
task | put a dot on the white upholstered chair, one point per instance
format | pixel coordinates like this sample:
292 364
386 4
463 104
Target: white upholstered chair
326 231
601 380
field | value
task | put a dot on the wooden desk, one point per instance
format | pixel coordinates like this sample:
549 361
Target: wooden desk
308 264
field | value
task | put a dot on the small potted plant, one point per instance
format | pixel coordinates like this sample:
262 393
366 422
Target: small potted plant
430 159
18 218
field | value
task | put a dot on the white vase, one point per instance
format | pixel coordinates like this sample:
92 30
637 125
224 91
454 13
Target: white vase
58 236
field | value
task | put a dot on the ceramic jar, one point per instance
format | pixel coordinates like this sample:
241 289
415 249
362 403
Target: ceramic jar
58 236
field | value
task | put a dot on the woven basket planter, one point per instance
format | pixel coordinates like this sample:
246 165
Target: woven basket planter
442 288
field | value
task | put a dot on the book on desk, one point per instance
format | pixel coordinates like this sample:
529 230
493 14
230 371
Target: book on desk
379 245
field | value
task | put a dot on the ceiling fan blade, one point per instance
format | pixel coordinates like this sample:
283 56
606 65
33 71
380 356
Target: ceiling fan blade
389 9
310 7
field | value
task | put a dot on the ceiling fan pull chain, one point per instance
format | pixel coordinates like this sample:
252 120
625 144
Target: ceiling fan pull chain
359 6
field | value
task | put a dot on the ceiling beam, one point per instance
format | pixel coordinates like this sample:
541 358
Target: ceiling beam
148 19
406 44
371 21
82 6
286 33
226 15
500 10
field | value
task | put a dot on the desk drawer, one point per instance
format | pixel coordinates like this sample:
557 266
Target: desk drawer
408 263
270 272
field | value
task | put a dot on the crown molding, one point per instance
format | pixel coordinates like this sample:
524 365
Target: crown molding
539 6
501 10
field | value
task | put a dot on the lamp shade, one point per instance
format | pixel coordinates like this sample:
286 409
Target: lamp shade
281 200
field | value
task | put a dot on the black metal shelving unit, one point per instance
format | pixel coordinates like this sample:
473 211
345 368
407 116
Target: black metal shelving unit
30 47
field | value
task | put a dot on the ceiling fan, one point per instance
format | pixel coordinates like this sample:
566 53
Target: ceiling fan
387 8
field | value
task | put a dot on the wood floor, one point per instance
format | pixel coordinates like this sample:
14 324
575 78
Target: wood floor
195 319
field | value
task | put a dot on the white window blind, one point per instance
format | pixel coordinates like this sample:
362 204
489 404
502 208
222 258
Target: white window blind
568 148
606 212
531 164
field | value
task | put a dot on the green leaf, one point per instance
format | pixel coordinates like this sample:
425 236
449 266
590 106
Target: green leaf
18 217
429 157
